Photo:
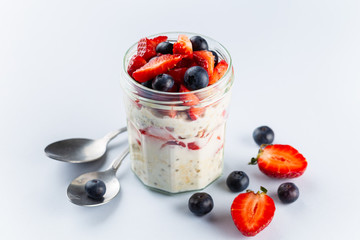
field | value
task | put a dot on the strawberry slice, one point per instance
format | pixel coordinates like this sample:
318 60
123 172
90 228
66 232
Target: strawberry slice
186 62
178 74
191 99
219 71
193 146
135 63
252 212
156 66
146 47
280 161
183 46
206 60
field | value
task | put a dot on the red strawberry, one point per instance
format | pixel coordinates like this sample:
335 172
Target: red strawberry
193 146
135 63
205 59
156 66
186 62
146 47
183 46
191 99
219 71
195 113
178 74
252 212
280 161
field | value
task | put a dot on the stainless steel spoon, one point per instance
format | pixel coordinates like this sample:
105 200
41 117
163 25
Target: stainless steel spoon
80 150
76 189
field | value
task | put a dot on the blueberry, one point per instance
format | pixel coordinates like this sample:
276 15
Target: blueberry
199 43
263 135
196 78
95 188
237 181
216 57
163 82
147 84
164 48
288 192
201 203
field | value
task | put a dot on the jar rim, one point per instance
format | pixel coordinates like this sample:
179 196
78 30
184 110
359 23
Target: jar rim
223 51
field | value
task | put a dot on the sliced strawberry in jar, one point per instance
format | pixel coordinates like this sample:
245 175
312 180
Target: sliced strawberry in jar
183 46
146 47
178 74
186 62
193 146
157 133
156 66
219 72
194 113
189 99
135 63
206 60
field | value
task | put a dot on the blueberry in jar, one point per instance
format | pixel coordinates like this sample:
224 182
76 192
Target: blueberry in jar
163 82
165 48
95 189
216 57
263 135
147 84
201 203
199 43
196 78
237 181
288 192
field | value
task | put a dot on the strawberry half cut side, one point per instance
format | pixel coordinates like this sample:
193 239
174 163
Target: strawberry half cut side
156 66
135 63
183 46
252 212
280 161
146 47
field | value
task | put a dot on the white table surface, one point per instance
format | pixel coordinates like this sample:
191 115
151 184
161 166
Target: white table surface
297 66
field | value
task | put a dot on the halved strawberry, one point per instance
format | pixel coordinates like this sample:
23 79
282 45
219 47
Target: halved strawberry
156 66
219 71
178 74
146 47
280 161
191 99
183 46
252 212
205 59
135 63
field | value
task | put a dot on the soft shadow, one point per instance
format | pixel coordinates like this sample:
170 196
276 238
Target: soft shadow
223 221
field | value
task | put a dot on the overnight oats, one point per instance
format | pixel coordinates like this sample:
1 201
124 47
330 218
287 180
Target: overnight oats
176 92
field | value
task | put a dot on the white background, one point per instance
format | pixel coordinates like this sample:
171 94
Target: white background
297 67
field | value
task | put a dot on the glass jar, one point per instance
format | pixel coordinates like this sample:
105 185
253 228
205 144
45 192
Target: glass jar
171 150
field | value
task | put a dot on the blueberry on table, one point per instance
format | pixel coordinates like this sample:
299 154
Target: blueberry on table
201 203
288 192
163 82
237 181
216 57
165 48
263 135
199 43
196 78
95 188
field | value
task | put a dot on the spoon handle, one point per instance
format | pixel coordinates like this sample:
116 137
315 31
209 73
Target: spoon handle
115 166
108 137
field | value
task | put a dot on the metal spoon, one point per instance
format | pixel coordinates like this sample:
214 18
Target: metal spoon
76 189
80 150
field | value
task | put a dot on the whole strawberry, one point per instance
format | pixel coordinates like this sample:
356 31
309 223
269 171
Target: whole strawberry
252 212
280 161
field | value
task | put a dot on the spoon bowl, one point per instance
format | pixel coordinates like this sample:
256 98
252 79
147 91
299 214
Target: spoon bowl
80 150
76 189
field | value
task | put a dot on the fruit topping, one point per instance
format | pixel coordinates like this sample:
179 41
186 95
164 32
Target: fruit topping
163 82
147 84
95 189
199 43
219 72
280 161
252 212
216 57
178 74
146 47
165 48
263 135
288 192
237 181
135 63
183 46
156 66
206 60
200 203
196 78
